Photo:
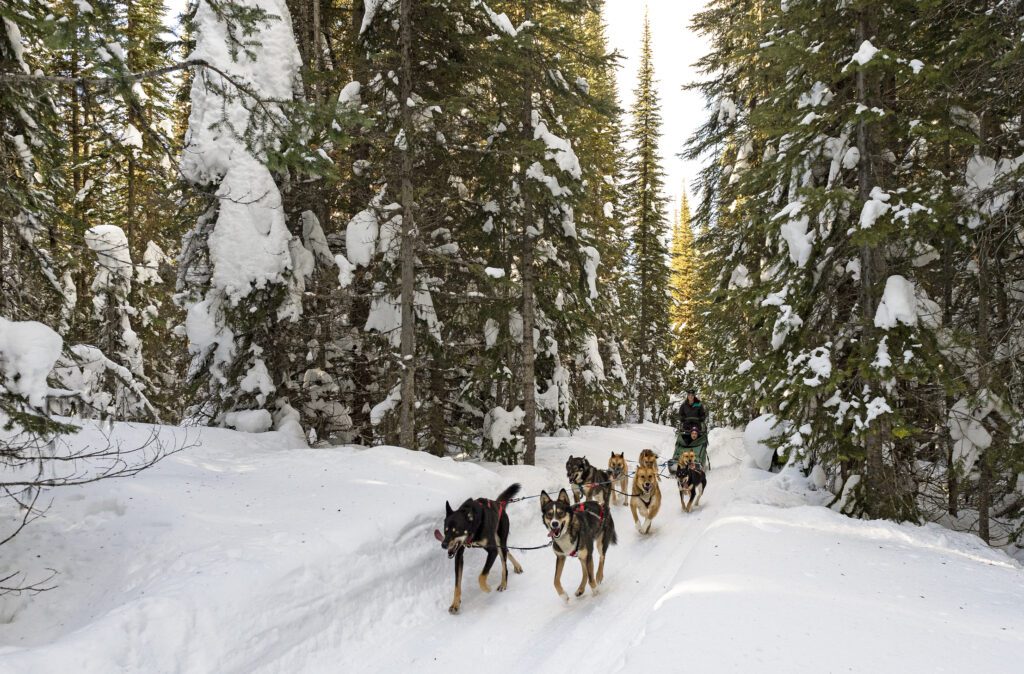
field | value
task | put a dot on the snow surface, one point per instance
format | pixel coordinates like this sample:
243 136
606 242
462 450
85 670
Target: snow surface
875 207
866 52
756 436
898 305
242 555
28 351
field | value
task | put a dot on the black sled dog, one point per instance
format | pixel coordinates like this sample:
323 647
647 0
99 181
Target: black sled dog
587 481
478 523
692 481
575 530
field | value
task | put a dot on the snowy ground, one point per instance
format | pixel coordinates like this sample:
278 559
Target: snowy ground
244 556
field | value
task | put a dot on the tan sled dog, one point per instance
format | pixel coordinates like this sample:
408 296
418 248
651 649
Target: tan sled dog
648 459
620 477
646 499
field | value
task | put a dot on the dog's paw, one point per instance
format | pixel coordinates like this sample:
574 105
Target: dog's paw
579 592
483 584
502 587
453 609
564 597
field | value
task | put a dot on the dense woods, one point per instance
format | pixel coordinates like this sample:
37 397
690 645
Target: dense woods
863 247
360 222
433 224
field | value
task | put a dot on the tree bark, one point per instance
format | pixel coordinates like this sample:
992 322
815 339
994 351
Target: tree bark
952 484
984 357
872 269
526 272
407 429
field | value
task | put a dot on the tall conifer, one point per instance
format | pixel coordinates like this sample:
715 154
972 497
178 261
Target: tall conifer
645 205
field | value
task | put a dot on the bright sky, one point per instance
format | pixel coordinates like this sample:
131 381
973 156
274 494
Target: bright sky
676 48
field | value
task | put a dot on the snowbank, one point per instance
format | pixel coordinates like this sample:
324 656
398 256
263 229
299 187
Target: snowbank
756 437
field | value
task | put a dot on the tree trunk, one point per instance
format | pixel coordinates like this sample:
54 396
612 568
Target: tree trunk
952 484
437 418
407 429
526 271
984 357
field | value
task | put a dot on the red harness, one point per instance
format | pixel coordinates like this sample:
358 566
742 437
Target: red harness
581 509
501 510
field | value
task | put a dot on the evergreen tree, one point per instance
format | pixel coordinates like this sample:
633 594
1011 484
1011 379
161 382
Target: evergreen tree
685 284
845 196
240 266
645 205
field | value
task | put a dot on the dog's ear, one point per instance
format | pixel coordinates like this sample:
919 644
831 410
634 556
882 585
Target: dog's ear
563 496
447 509
544 499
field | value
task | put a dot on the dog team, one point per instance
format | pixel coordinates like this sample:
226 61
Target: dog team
579 529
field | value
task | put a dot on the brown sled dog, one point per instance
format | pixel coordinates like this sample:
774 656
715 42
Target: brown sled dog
648 459
646 499
620 477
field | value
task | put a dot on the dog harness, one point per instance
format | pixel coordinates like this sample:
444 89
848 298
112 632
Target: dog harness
501 510
581 509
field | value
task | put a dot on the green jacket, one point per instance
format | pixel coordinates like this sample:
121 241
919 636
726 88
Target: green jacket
684 443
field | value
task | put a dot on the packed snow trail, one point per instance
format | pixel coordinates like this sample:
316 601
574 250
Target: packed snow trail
526 626
241 555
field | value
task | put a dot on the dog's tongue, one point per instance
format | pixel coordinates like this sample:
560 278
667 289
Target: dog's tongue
551 533
438 536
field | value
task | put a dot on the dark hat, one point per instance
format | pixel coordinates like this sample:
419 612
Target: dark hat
692 390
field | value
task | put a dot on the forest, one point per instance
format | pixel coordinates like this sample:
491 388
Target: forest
435 225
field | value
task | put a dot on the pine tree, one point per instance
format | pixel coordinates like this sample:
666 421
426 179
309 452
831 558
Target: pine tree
599 379
238 267
685 284
844 200
645 205
32 285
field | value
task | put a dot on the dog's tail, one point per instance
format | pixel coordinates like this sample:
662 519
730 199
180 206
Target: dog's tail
509 493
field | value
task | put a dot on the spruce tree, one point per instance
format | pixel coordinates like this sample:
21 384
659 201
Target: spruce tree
644 205
687 301
854 175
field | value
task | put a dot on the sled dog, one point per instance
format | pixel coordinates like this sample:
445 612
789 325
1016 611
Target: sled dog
588 482
575 530
620 477
646 499
478 523
648 459
692 481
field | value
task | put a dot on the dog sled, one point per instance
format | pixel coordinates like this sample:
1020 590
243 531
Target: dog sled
686 443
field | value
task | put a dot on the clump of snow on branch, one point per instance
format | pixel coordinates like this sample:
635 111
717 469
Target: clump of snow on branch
898 305
28 351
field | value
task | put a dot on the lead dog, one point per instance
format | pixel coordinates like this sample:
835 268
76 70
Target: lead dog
588 482
691 480
620 477
478 523
646 499
575 530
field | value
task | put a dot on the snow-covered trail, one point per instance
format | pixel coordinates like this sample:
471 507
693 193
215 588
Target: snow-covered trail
526 626
242 556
